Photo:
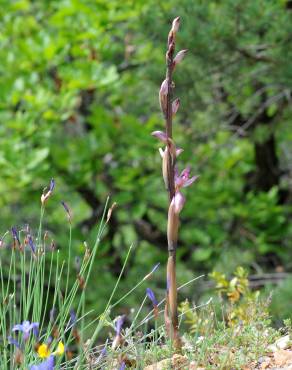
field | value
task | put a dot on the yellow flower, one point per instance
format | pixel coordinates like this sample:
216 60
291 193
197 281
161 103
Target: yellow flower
43 351
60 349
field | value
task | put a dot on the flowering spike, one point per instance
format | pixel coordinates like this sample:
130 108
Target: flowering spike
175 106
179 57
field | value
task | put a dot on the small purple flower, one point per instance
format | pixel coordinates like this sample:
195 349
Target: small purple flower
48 364
119 324
123 366
15 234
26 328
151 296
183 180
31 244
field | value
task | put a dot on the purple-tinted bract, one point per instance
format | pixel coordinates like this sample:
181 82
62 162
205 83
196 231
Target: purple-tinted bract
151 296
26 328
48 364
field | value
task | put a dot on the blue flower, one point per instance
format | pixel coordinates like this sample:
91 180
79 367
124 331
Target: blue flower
152 297
26 328
48 364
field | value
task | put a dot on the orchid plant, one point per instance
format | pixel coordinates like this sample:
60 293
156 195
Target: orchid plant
174 181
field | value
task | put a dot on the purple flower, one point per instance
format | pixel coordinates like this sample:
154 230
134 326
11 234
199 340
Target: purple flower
123 366
183 180
152 297
14 233
48 364
31 244
119 324
26 328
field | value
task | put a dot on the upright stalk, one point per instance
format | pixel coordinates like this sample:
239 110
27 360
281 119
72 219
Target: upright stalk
173 181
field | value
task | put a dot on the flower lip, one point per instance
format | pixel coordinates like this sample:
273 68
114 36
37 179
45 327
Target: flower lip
183 180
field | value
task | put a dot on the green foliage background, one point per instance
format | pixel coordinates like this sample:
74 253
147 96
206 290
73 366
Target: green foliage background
79 84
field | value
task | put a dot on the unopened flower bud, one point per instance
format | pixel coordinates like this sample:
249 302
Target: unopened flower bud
175 106
175 24
179 57
163 96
